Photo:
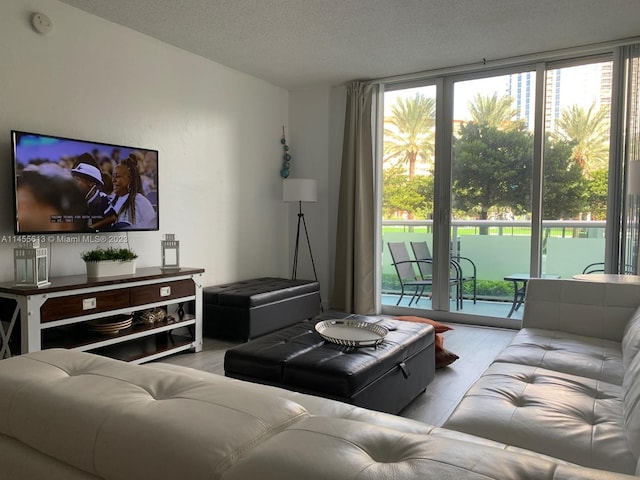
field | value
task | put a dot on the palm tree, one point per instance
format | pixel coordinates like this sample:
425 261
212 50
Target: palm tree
409 134
493 112
588 130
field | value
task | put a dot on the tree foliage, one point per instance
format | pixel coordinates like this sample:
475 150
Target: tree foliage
494 111
409 134
588 130
492 168
564 185
597 188
402 194
493 158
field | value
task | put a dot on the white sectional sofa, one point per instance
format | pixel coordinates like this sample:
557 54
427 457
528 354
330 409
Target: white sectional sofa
72 415
569 383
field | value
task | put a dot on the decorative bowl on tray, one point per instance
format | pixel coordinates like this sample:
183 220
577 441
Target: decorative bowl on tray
352 333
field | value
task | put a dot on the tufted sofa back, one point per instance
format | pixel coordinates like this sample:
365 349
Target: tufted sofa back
593 309
631 340
631 383
602 310
631 407
115 422
75 416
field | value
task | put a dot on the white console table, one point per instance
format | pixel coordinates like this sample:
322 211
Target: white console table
55 316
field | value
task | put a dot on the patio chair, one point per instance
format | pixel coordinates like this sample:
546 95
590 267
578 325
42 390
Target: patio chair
407 274
598 267
421 252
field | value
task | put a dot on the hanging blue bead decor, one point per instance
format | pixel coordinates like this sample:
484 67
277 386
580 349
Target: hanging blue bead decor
286 163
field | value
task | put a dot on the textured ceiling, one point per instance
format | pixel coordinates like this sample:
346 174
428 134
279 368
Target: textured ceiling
303 43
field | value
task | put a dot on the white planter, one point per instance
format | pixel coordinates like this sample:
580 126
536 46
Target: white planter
110 268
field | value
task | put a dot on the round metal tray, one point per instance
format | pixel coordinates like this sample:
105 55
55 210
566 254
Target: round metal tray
352 333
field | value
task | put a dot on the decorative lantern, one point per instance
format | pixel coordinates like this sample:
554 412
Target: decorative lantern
31 268
170 252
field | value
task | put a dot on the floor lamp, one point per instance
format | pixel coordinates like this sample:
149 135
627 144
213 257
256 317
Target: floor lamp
301 190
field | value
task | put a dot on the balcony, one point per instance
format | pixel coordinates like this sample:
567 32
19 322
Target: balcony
498 248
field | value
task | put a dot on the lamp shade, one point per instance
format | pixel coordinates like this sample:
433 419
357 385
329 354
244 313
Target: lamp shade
299 190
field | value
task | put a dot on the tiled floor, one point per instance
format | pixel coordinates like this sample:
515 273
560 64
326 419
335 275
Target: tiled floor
476 347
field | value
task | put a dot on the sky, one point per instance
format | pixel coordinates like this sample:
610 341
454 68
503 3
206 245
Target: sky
580 85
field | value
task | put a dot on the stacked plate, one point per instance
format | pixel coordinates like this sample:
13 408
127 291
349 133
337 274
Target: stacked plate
110 325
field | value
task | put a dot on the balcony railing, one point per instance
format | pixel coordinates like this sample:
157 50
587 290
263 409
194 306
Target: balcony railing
502 247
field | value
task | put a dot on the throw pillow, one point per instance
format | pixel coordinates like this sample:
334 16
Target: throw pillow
439 327
443 356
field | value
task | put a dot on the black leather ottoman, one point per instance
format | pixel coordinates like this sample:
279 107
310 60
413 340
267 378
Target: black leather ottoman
385 378
250 308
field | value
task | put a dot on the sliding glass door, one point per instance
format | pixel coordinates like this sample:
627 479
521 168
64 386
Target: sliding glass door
491 185
576 167
504 175
408 184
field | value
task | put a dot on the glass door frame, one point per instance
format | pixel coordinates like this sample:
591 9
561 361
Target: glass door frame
443 174
444 83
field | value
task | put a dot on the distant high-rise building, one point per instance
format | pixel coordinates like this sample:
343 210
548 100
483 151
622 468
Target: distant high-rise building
582 85
522 89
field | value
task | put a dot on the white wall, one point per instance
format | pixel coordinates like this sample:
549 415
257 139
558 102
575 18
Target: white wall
217 131
309 129
317 125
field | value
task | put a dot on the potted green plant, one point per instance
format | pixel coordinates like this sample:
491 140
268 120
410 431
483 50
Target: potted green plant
109 262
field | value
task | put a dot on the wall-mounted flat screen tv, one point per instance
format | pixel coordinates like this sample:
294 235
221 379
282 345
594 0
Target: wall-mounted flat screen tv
65 185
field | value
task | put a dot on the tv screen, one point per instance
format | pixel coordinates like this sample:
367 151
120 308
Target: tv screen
64 185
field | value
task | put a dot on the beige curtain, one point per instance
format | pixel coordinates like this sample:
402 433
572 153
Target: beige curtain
354 283
631 156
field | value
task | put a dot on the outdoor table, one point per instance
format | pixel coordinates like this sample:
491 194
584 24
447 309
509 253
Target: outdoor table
520 287
608 278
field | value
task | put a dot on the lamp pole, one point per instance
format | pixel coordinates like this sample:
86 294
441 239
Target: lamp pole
301 190
301 221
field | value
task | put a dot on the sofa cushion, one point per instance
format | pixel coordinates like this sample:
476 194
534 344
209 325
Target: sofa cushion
353 450
631 387
574 418
631 339
324 407
438 327
594 309
564 352
443 356
88 411
20 462
161 423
